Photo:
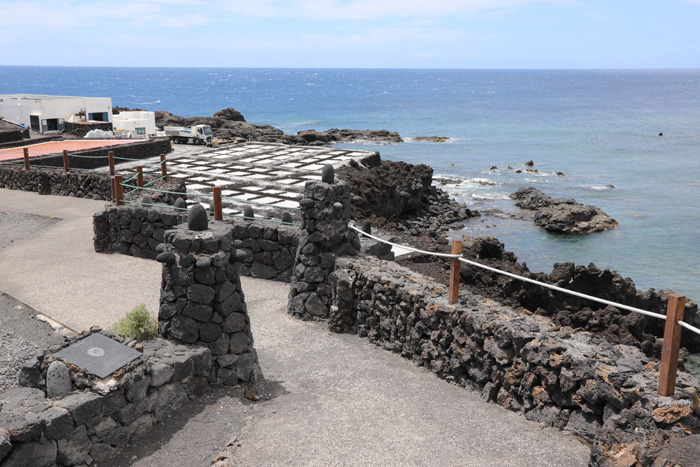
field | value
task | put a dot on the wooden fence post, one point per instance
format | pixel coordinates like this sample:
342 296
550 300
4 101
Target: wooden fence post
217 204
163 167
114 189
66 164
454 272
119 189
26 158
139 176
672 344
110 154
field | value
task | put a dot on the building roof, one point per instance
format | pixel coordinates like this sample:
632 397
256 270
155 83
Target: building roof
9 126
42 97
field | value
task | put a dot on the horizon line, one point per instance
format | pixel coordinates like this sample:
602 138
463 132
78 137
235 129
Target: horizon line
354 68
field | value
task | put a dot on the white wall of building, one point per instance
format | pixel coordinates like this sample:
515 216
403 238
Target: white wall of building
19 108
139 123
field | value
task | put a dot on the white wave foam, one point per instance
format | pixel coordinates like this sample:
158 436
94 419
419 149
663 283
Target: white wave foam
597 187
483 182
449 140
489 196
369 142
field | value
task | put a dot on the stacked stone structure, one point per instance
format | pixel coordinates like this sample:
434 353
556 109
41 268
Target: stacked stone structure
202 301
326 210
99 417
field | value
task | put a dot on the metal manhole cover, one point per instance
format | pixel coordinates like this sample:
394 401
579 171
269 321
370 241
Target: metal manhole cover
99 355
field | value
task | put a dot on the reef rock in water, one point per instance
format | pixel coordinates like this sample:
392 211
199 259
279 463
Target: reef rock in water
563 215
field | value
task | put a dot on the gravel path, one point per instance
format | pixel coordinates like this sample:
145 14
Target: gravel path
18 225
22 336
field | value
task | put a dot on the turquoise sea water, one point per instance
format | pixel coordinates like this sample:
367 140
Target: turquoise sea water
598 127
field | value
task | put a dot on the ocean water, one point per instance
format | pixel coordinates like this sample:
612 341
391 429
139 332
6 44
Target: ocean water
598 127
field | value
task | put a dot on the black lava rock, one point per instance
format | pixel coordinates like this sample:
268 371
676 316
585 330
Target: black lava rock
197 218
328 174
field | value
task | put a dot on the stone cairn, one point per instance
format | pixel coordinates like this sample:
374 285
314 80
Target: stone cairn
201 299
326 209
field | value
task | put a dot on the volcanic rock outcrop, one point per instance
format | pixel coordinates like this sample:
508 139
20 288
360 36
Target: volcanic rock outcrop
563 215
403 195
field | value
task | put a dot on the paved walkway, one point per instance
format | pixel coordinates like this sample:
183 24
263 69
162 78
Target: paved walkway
344 401
57 271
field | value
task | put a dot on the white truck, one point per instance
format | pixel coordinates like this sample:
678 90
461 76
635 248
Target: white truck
199 134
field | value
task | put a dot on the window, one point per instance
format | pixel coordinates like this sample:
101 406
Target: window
98 117
140 131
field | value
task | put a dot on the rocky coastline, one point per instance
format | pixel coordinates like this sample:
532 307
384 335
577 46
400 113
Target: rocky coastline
230 124
401 200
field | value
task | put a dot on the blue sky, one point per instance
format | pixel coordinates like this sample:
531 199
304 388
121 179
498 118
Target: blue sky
353 33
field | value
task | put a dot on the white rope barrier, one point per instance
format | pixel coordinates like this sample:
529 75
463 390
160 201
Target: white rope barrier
689 327
351 224
525 279
567 291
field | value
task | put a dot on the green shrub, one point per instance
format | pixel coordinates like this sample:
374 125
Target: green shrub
140 324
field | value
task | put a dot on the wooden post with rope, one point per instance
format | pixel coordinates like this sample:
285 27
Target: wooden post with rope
110 155
66 163
672 344
25 152
218 215
139 176
119 190
163 166
454 272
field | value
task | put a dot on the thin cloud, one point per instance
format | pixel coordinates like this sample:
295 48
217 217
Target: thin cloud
388 36
69 15
373 9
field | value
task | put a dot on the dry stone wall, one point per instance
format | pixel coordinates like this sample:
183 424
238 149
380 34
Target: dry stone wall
133 230
89 425
55 182
574 380
268 250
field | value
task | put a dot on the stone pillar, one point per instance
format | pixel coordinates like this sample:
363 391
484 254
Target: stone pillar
326 209
202 303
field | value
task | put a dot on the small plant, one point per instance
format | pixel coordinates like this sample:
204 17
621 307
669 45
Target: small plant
140 324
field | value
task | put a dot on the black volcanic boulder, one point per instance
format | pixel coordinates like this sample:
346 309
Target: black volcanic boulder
230 114
533 199
563 215
573 219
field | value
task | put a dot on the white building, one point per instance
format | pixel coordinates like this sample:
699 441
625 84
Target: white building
44 113
135 124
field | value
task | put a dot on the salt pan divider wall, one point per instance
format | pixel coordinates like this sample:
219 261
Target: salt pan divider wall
202 302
